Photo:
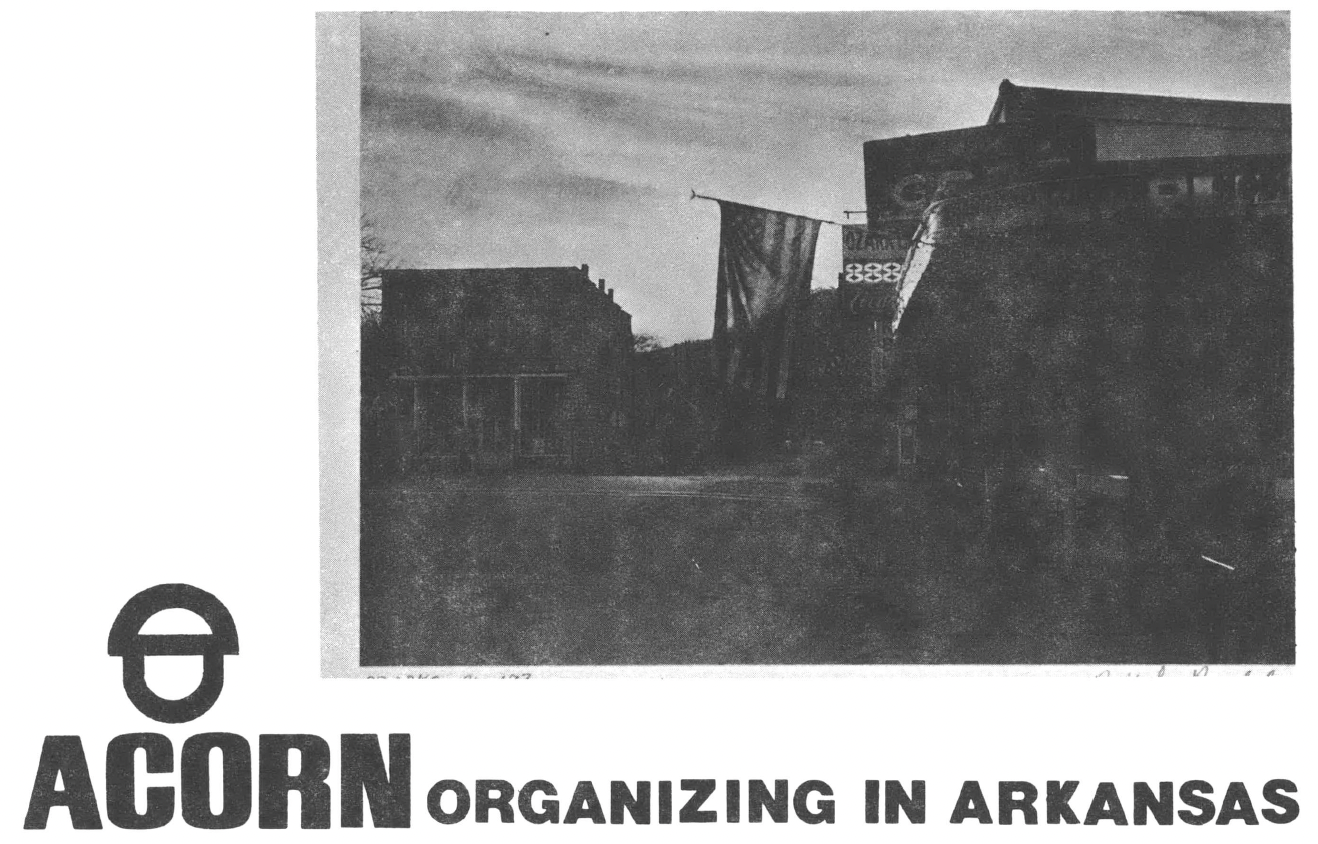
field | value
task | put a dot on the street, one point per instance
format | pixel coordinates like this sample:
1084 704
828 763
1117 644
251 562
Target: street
755 569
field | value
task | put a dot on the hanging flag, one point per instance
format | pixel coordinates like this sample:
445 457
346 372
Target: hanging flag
765 263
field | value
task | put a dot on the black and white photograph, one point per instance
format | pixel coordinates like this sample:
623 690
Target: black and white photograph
837 339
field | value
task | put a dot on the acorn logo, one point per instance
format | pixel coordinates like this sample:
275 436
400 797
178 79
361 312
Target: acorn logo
128 641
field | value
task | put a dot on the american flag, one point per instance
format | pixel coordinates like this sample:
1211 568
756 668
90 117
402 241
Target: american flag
765 263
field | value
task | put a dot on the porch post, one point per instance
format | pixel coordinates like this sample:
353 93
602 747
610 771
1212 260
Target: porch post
517 403
517 415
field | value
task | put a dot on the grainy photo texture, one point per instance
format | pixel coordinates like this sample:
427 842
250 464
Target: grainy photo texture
826 339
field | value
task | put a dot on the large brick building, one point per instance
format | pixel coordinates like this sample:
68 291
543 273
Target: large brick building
510 368
1098 295
1137 227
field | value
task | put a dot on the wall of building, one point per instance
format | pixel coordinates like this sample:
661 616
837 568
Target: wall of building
1160 351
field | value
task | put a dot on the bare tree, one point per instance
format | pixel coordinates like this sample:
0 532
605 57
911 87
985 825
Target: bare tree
646 343
375 260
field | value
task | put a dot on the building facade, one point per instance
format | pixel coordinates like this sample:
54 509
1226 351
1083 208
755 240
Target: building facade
510 369
1076 262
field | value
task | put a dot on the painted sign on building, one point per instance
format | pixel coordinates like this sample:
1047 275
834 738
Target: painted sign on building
872 256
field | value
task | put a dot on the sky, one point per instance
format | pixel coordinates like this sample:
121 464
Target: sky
521 139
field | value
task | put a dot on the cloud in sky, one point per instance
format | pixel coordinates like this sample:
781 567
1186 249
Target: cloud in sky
504 139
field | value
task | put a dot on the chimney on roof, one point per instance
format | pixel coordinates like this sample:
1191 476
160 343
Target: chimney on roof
601 285
610 294
585 270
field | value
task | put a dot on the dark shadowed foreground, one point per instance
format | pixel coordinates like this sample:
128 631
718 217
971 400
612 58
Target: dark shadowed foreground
565 570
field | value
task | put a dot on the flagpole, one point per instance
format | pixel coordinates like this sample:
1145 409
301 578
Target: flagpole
695 195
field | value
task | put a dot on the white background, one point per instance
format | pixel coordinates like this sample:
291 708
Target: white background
160 421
